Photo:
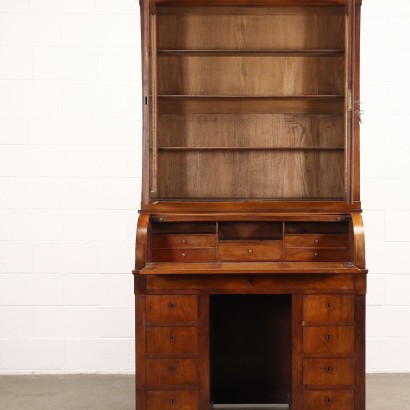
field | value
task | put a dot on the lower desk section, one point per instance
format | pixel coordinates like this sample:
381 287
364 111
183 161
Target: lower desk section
210 342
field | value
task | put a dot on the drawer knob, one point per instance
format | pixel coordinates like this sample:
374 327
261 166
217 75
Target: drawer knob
184 241
316 241
184 254
328 369
316 253
173 401
328 338
172 337
171 305
328 400
172 369
250 250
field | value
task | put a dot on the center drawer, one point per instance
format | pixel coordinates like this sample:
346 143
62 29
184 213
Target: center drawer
250 251
163 373
172 339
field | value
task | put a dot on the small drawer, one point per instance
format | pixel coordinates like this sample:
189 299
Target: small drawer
172 309
328 372
181 241
184 255
333 340
172 340
316 241
162 373
316 255
172 400
250 251
328 308
328 400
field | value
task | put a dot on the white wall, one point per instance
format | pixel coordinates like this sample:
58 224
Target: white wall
70 183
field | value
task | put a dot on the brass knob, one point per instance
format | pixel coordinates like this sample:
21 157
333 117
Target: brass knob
250 250
184 241
316 241
316 253
184 254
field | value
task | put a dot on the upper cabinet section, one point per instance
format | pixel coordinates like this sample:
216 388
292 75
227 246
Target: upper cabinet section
248 103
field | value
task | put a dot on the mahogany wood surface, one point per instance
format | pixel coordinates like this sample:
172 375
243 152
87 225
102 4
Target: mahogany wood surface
250 274
171 400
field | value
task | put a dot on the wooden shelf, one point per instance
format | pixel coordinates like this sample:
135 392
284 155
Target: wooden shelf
250 149
235 104
251 53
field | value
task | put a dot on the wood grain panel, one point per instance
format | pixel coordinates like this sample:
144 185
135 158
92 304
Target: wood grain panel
250 251
172 308
172 400
328 308
318 255
184 255
172 340
244 32
251 130
317 241
248 76
163 373
250 105
333 339
229 174
328 372
329 400
183 241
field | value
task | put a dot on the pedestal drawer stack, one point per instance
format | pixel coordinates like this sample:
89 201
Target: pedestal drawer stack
172 352
328 352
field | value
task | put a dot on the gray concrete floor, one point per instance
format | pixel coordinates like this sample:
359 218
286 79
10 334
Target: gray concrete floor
90 392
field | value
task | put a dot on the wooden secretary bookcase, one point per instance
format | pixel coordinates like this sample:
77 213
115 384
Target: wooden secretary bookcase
250 275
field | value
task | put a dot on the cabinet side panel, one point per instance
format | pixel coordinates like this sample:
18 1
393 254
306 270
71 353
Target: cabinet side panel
140 344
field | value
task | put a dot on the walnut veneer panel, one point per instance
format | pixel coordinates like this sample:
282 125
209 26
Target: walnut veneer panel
249 76
172 400
328 308
329 400
251 130
269 31
161 309
329 340
230 174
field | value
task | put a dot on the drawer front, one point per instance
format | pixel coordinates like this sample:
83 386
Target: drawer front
172 309
172 340
184 255
183 241
162 373
328 308
250 251
172 400
328 372
335 339
316 241
329 400
316 255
